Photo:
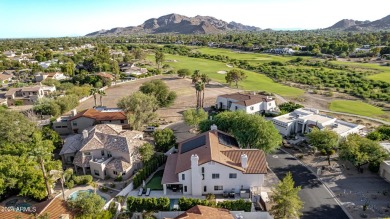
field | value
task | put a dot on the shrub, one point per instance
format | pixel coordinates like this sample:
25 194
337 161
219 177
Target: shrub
323 152
374 167
18 102
118 179
69 184
112 185
104 189
82 180
210 196
331 152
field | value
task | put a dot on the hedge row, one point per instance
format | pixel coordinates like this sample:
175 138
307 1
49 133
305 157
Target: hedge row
237 205
149 167
148 204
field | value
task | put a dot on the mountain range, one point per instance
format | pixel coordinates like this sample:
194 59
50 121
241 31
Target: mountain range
176 23
180 24
354 25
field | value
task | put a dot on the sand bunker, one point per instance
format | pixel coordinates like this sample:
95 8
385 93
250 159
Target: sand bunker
229 66
221 72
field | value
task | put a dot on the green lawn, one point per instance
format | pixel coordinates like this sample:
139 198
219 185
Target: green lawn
155 182
252 58
254 81
383 71
355 107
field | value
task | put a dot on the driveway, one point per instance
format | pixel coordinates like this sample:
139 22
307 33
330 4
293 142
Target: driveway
318 202
182 131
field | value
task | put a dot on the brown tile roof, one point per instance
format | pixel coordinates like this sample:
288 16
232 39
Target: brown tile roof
225 155
105 75
256 159
169 171
246 99
11 91
5 77
100 116
102 136
200 212
54 208
118 164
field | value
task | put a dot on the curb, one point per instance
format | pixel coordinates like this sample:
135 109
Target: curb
322 182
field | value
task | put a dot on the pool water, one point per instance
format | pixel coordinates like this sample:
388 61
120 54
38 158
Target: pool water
74 195
174 204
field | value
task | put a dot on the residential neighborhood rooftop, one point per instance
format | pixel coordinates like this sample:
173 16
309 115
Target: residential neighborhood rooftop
200 212
214 148
101 115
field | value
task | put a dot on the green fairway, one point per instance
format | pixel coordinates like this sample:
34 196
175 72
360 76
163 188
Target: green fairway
383 71
355 107
252 58
254 81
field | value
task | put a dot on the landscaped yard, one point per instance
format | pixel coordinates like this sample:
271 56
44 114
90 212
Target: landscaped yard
254 81
155 182
355 107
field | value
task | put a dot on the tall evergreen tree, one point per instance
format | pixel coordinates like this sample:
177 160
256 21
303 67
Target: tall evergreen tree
287 203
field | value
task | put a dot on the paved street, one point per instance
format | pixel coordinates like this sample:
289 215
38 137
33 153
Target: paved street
318 201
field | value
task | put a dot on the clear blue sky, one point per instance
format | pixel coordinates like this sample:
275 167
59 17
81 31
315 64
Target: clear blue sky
55 18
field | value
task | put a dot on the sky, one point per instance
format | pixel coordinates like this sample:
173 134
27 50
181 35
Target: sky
59 18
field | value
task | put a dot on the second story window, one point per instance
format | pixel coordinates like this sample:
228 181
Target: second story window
102 152
215 176
109 154
87 153
232 175
74 123
183 176
252 108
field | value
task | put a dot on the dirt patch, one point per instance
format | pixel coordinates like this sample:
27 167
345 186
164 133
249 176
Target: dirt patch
185 95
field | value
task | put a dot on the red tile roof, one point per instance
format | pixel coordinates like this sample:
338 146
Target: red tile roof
100 116
246 99
200 212
54 208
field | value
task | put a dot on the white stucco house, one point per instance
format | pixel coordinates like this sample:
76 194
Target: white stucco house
384 169
103 150
28 95
302 121
212 162
250 103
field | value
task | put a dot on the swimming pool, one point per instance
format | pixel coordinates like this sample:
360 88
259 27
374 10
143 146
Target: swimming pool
174 204
74 195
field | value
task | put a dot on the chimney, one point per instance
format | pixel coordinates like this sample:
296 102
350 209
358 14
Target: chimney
85 134
213 127
244 161
194 160
73 112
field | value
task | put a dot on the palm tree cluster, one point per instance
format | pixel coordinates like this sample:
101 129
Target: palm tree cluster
200 81
94 92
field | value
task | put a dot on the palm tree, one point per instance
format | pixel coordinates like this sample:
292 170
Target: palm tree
93 92
60 174
205 78
101 93
39 154
196 76
199 87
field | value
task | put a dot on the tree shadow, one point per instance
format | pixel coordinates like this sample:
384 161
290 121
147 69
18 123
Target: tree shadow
325 212
301 176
